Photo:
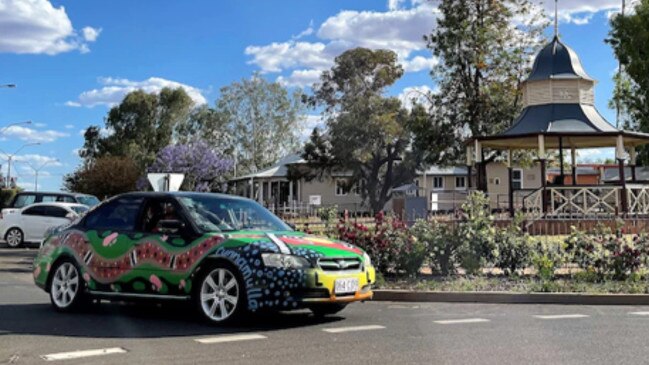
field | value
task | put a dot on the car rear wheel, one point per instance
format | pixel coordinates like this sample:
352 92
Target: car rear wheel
14 237
322 310
220 294
66 291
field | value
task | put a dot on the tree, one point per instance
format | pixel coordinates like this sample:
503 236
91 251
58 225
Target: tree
628 37
484 51
204 167
208 125
140 126
104 177
367 134
263 119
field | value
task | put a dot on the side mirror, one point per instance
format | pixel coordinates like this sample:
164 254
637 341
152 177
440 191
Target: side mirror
71 216
170 225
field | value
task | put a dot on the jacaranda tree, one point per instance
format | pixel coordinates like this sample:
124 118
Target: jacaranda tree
205 168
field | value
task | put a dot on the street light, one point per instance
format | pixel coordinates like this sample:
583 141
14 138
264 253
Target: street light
11 156
13 124
37 170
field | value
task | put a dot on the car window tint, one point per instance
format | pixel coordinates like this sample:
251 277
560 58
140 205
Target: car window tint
65 199
38 210
24 200
119 214
56 212
48 198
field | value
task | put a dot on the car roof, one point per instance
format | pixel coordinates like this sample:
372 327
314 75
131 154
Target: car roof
63 193
176 194
57 204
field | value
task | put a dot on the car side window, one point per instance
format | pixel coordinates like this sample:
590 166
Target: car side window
48 198
24 200
156 212
55 212
119 214
39 210
65 199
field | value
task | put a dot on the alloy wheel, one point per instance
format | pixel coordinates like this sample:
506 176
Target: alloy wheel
14 237
65 285
219 294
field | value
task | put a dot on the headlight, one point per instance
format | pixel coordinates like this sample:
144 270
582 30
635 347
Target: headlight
366 259
285 261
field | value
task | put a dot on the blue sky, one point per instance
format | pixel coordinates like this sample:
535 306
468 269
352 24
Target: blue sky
71 60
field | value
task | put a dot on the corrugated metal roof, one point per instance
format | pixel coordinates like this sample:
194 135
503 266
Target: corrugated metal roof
279 169
578 118
557 61
439 170
613 173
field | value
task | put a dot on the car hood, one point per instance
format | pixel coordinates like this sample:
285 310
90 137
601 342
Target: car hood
298 242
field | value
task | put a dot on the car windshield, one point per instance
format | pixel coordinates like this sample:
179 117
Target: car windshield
79 209
88 200
220 214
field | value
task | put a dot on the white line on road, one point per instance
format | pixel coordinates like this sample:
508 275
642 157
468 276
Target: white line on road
354 328
460 321
639 313
561 316
84 353
231 338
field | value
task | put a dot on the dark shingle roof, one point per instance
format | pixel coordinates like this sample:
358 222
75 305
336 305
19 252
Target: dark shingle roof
557 61
580 118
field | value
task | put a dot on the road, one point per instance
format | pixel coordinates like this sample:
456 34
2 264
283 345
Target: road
376 332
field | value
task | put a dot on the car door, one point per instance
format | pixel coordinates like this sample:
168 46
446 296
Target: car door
33 221
110 230
57 216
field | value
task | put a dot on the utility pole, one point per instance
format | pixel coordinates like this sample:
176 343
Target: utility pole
11 156
619 74
38 170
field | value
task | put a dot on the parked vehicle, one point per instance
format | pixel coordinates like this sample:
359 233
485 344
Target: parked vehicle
227 254
25 198
30 223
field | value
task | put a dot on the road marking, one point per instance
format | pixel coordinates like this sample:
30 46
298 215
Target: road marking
639 313
353 328
460 321
231 338
84 353
561 316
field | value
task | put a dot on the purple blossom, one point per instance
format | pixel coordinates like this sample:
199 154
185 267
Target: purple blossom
204 167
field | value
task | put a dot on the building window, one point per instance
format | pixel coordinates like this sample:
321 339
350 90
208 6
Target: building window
460 182
517 179
497 181
343 189
438 182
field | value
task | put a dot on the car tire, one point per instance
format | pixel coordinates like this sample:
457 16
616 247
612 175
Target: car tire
220 294
327 309
14 237
66 287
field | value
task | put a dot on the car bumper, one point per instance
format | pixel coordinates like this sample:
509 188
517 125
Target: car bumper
321 286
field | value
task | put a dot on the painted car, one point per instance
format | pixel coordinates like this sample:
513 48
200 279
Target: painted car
31 223
227 254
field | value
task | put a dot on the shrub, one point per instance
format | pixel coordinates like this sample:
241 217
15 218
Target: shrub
512 248
545 259
476 233
441 243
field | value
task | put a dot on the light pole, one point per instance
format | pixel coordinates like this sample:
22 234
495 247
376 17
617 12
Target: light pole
37 170
13 124
11 156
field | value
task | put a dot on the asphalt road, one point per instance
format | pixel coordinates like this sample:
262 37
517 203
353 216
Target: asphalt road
381 333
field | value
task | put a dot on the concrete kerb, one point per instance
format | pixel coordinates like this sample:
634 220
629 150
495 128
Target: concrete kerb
511 298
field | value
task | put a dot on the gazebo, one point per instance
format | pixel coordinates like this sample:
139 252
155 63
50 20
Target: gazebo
559 114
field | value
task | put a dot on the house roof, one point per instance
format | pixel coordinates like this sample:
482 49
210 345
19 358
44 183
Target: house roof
579 171
613 173
557 61
279 169
445 171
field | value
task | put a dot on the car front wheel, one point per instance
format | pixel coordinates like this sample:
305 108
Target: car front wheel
66 287
14 237
220 294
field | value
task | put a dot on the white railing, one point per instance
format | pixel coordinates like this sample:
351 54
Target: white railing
638 199
533 205
583 201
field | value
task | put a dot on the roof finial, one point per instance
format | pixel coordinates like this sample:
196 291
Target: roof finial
556 18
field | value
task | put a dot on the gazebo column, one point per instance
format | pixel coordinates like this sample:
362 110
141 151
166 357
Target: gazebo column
573 161
542 158
561 172
469 165
619 155
633 155
510 173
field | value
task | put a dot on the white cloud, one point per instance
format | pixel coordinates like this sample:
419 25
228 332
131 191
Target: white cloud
36 26
309 124
400 29
90 34
420 63
69 126
307 32
300 78
580 12
33 135
416 94
113 91
395 4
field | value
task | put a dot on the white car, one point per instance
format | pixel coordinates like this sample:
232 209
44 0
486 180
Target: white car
30 223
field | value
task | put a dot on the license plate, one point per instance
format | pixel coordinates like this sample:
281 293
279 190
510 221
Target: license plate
349 285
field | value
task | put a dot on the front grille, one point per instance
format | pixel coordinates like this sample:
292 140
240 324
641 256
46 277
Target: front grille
340 264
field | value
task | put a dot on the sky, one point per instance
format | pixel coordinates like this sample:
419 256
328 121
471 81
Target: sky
72 60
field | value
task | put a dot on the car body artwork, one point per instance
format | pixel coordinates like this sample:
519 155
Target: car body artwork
228 254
